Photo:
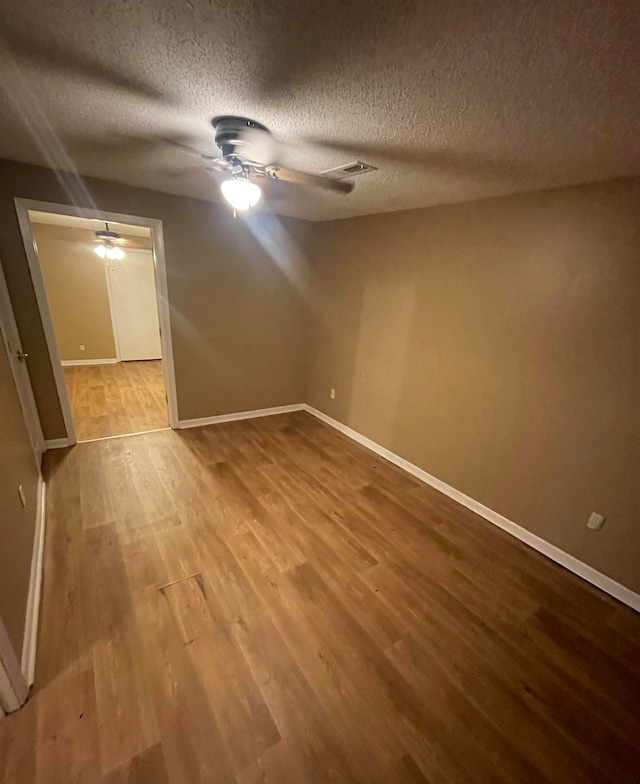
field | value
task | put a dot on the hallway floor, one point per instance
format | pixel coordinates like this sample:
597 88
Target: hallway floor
267 601
110 400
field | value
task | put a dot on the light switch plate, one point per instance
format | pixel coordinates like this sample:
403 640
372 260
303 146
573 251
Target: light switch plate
596 521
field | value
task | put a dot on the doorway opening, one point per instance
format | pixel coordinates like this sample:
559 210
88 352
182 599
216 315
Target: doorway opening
101 287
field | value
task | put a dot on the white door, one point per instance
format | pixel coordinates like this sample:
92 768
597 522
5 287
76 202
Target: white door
17 362
134 306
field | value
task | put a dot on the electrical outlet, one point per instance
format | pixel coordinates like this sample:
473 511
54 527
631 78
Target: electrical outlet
332 394
82 347
21 494
596 521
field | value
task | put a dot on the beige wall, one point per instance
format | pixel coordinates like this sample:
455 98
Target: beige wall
497 346
238 314
17 523
76 287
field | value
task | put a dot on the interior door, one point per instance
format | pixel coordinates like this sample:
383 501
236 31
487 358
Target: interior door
17 362
18 417
134 305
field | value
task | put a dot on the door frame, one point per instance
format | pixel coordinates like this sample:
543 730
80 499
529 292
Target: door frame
13 347
23 206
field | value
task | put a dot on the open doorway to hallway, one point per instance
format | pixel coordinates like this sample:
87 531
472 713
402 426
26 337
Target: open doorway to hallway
99 281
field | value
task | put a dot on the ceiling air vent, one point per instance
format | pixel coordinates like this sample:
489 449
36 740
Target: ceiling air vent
350 170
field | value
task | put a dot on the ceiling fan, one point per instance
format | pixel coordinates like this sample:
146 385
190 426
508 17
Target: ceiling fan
110 243
248 153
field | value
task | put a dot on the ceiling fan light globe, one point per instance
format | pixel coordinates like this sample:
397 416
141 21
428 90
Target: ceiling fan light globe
101 251
115 253
242 194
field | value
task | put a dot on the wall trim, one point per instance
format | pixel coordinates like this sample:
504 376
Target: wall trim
258 412
588 573
72 362
58 443
28 662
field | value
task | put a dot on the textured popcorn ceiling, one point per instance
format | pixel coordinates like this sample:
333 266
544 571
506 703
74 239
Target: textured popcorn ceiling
451 100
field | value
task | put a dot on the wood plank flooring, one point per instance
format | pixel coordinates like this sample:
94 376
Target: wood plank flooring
111 400
267 601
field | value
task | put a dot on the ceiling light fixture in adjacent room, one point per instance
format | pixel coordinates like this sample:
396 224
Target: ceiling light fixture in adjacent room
109 251
106 249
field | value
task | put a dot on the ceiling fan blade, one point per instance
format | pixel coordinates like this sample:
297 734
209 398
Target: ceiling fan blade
186 144
215 165
210 167
142 244
313 180
123 241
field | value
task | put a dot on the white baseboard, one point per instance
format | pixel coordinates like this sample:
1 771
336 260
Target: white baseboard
58 443
588 573
71 362
28 663
258 412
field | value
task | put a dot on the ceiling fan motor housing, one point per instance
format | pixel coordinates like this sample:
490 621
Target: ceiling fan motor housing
106 234
231 131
